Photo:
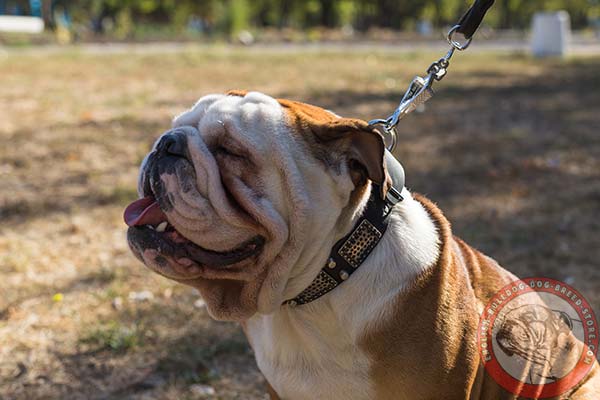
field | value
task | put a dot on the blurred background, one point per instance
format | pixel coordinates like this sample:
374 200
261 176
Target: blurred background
248 21
509 148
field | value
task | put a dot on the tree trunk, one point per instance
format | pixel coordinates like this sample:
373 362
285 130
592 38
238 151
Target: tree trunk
328 13
284 13
505 14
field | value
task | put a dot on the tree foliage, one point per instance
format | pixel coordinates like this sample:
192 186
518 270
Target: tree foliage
229 16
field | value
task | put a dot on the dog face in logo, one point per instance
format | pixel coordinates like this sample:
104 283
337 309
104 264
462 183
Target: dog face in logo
245 195
542 337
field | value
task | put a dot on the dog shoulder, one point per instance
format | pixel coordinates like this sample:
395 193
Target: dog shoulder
485 276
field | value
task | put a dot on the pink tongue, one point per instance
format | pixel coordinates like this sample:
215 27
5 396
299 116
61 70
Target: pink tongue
144 212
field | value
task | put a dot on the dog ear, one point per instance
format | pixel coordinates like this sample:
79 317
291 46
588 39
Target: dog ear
364 147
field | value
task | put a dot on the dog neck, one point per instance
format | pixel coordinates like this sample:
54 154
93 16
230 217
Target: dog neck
323 335
370 220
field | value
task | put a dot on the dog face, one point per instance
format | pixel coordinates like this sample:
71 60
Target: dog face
245 195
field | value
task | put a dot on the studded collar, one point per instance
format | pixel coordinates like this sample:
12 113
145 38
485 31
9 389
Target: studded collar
352 250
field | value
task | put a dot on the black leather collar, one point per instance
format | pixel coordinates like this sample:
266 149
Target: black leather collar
353 249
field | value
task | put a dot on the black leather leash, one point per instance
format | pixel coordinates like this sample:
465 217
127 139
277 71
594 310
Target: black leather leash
470 21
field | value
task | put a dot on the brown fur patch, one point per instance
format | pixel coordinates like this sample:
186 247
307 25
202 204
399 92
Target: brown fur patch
428 348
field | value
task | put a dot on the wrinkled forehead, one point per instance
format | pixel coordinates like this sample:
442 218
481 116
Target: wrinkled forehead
255 119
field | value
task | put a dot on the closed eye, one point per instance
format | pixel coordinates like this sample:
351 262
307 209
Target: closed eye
229 149
227 152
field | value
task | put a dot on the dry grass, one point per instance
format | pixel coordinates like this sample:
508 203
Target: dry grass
509 148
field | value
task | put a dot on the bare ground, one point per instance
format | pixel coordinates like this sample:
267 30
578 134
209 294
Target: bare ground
509 148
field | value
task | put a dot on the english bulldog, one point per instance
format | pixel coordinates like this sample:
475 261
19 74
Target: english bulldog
296 223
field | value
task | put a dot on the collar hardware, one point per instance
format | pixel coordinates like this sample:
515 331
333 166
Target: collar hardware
360 243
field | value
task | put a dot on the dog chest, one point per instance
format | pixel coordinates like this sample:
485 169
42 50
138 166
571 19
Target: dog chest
302 360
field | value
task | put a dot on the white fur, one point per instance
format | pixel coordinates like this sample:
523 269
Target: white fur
313 348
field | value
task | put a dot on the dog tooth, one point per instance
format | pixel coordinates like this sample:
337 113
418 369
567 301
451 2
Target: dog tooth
150 226
162 226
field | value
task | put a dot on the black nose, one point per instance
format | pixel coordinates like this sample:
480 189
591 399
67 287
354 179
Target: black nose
173 144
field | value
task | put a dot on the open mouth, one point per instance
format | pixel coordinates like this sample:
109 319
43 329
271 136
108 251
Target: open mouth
150 229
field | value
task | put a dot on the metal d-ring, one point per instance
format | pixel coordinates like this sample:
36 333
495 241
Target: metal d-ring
457 45
393 135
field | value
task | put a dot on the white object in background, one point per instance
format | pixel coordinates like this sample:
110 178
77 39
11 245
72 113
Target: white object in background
551 34
424 27
9 23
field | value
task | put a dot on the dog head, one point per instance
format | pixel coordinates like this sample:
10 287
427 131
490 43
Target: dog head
244 197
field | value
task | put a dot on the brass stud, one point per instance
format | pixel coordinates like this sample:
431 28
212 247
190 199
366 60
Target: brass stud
331 263
344 275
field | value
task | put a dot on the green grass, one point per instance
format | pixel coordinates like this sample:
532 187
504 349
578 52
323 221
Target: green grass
113 336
